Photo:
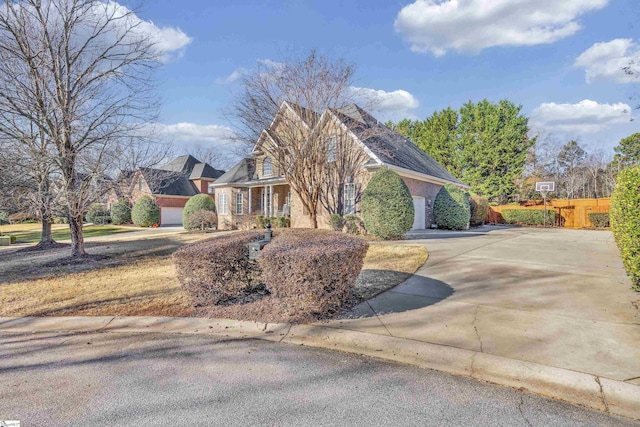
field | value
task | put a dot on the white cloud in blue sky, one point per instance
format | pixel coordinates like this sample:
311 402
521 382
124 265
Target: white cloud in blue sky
473 25
608 61
394 105
584 117
192 132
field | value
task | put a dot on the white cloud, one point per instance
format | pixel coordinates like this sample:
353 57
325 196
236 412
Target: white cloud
235 75
192 132
607 61
472 25
395 105
582 118
270 63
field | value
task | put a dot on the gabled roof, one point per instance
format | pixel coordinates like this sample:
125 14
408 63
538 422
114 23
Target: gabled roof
204 170
169 183
181 164
390 147
242 172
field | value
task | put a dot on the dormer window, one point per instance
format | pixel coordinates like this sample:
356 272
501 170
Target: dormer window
331 149
267 167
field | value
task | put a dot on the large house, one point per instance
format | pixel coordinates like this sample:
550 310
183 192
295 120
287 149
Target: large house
170 185
256 185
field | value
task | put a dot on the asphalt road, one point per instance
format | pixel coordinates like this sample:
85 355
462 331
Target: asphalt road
159 380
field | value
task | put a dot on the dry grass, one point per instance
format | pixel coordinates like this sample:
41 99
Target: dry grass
149 286
14 228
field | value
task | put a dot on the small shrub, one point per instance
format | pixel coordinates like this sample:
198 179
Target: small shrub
479 209
261 221
218 269
625 221
451 209
201 220
121 212
528 216
387 205
199 202
336 222
280 222
12 239
21 218
98 214
312 273
145 212
353 225
4 217
599 219
60 220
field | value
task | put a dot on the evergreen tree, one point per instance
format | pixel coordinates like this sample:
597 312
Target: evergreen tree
628 151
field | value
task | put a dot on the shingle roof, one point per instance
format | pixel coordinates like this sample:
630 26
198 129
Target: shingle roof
242 172
181 164
167 182
204 170
389 146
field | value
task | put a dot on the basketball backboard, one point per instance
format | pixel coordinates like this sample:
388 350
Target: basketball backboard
546 186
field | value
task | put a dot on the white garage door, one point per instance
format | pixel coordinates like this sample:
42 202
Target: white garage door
171 216
418 218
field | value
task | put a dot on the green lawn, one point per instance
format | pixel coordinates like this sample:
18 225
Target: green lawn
64 234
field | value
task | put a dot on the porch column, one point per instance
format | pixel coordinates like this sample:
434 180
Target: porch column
249 204
271 200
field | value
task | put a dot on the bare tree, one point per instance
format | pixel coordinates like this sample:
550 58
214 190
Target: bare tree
287 109
80 72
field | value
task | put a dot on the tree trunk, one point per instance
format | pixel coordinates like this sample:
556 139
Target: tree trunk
77 239
314 219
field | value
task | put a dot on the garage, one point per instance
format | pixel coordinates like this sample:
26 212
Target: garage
171 216
419 209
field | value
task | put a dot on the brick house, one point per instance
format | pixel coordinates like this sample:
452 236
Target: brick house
170 185
255 185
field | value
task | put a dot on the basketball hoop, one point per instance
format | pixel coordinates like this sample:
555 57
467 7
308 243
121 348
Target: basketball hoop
544 188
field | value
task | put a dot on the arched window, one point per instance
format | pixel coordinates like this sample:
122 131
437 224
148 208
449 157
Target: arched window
267 166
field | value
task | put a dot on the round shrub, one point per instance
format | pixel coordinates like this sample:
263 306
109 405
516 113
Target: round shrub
145 212
387 205
217 269
98 214
199 202
479 209
201 220
625 221
121 212
451 209
311 273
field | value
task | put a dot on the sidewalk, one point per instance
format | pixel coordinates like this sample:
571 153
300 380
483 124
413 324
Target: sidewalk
547 310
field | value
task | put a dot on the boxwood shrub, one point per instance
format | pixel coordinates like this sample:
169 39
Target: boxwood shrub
312 273
451 208
479 209
387 206
121 212
599 219
145 212
217 269
98 214
528 216
199 202
625 221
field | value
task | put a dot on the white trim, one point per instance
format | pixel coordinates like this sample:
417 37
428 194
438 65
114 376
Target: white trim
407 173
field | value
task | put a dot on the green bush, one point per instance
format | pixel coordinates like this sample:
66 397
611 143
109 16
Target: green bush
121 212
625 221
479 209
13 239
336 222
60 220
599 219
387 205
354 225
280 222
145 212
451 209
201 220
261 221
528 216
4 217
199 202
98 214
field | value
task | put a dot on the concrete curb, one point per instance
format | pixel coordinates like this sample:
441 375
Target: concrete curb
604 394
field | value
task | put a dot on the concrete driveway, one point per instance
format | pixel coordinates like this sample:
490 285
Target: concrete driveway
552 296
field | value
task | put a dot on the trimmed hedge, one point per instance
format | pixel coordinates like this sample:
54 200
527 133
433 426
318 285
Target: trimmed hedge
201 220
217 269
312 272
121 212
387 206
451 208
528 216
625 221
145 212
199 202
479 209
599 219
98 214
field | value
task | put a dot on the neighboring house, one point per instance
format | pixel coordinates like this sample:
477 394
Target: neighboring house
256 185
170 185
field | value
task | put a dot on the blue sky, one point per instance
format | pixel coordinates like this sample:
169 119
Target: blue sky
559 59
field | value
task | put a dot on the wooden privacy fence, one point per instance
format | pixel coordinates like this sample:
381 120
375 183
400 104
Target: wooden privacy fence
572 213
